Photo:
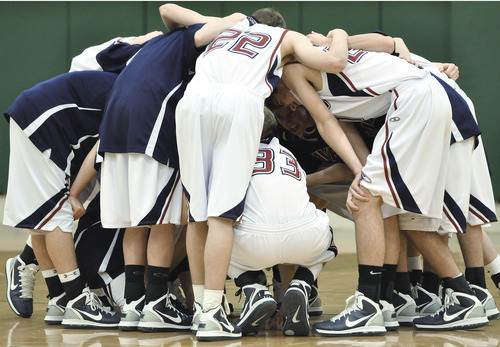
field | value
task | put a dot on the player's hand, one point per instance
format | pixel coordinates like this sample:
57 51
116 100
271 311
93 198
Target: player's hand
318 39
451 70
76 205
355 193
276 323
139 40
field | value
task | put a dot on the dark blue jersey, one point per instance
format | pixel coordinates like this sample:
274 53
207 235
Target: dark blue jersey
63 115
140 114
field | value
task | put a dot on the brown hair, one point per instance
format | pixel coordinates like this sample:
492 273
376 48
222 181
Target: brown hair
270 17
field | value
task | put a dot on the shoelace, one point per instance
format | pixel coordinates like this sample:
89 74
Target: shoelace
350 306
27 275
448 301
95 303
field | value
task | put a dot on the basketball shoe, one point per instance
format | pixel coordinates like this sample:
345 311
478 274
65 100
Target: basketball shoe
389 314
20 284
54 313
460 311
160 315
487 300
214 326
405 307
87 312
196 317
427 302
362 316
296 304
131 314
258 306
315 308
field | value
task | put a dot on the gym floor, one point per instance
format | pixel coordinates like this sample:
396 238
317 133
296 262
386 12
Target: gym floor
336 283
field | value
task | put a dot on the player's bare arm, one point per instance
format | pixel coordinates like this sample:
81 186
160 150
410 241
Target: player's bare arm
175 16
334 173
139 40
85 174
300 48
214 27
369 42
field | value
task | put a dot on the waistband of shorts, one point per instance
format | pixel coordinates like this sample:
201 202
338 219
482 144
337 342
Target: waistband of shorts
281 228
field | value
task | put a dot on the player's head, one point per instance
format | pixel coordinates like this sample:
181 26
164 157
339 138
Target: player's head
270 127
281 97
295 119
270 17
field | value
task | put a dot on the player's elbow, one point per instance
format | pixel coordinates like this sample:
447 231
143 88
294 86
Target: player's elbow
336 65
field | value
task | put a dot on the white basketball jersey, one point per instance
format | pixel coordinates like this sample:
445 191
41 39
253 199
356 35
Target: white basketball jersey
277 193
361 90
247 55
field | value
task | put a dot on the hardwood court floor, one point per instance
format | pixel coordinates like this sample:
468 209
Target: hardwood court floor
336 284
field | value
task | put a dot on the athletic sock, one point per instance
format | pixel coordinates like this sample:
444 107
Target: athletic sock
28 256
387 282
458 284
475 275
212 298
403 284
198 291
134 282
493 267
369 281
431 282
157 282
415 277
496 279
304 274
54 285
72 283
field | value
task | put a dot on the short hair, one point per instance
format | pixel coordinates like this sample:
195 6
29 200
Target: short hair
270 17
270 127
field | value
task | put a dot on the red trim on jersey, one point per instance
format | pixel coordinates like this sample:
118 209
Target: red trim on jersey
453 222
395 100
371 91
348 81
386 168
66 197
478 215
272 59
169 199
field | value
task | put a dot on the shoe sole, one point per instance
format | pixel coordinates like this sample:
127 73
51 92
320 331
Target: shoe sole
161 327
78 324
361 331
472 323
260 315
297 318
8 274
206 336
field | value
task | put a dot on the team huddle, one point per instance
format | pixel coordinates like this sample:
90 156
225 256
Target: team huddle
213 151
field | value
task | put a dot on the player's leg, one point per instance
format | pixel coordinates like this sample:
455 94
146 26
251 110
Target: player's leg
196 238
491 259
134 253
466 311
159 314
471 245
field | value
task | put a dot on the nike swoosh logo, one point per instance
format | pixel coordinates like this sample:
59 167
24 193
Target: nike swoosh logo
255 323
176 319
447 318
375 273
90 315
294 318
12 287
350 323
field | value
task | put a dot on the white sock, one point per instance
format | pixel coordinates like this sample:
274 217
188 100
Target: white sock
198 290
212 299
493 267
414 263
69 276
49 273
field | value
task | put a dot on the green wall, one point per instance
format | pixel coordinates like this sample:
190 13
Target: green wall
38 39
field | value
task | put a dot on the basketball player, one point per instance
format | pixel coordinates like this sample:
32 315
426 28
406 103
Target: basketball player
52 128
388 91
140 183
220 117
278 215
